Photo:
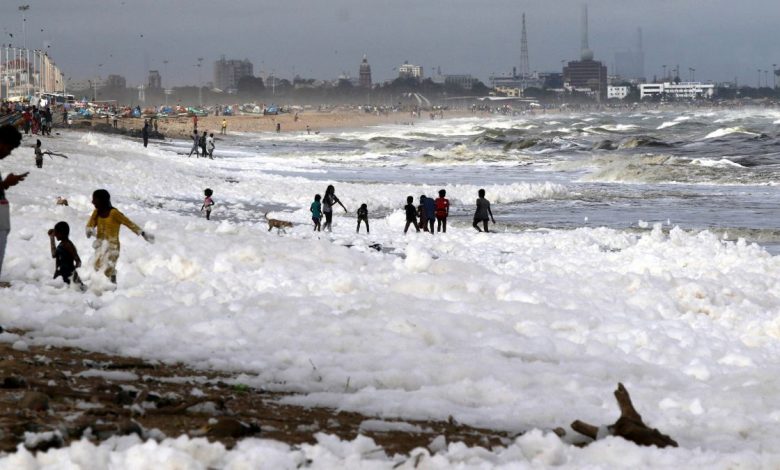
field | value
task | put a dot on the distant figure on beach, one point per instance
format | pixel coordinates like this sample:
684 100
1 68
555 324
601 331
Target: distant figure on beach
482 212
442 211
145 133
411 214
104 224
210 145
224 126
154 121
328 201
362 216
208 203
308 129
116 121
195 123
316 212
278 127
38 154
65 254
422 214
10 138
195 142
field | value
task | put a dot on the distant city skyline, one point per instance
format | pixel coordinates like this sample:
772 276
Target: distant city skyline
326 39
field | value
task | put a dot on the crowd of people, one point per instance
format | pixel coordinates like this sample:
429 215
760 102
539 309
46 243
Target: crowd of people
422 217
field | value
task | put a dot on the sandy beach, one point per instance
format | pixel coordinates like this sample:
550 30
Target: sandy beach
181 127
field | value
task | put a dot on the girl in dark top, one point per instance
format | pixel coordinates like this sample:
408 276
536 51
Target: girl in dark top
328 201
65 254
411 214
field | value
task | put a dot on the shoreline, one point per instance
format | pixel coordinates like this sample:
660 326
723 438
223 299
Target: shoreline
182 127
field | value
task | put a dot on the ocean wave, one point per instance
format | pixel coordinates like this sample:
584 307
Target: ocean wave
724 131
668 124
722 163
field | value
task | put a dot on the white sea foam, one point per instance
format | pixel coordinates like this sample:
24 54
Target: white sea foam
514 330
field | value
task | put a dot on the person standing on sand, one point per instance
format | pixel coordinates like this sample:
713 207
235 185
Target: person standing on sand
10 138
195 123
278 127
224 127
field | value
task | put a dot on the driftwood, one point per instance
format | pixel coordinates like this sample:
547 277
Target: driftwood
629 426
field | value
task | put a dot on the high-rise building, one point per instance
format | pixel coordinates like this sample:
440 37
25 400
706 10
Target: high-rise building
408 70
155 80
365 73
116 82
227 73
630 65
586 73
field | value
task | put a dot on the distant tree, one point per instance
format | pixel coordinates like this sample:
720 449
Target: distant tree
250 86
479 89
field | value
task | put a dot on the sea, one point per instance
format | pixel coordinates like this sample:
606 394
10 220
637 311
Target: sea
713 170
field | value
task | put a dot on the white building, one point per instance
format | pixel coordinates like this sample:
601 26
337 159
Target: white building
682 90
408 70
617 92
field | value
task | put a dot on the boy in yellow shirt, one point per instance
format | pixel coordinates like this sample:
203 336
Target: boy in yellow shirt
105 223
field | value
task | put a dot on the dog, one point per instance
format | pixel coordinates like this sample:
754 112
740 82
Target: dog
279 225
61 201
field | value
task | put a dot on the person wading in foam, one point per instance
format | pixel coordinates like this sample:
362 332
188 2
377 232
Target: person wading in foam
482 212
105 223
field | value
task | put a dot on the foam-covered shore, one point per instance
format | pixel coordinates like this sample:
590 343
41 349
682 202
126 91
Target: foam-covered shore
513 330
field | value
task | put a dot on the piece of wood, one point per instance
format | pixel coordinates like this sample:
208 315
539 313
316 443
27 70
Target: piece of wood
629 426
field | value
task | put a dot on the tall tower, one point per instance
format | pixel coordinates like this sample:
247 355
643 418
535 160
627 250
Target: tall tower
640 54
525 68
585 53
364 78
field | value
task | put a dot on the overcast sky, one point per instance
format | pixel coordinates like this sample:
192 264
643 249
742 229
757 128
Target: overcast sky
721 39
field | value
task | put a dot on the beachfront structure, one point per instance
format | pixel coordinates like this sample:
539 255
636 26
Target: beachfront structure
586 74
617 92
364 79
680 91
227 73
154 82
28 72
465 82
407 70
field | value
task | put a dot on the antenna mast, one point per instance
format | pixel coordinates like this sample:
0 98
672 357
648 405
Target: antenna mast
525 69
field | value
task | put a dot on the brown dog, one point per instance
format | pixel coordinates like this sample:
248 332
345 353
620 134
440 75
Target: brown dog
279 225
61 201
